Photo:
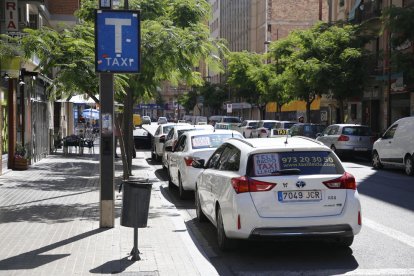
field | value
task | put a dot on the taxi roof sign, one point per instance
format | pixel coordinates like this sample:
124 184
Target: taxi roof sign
117 41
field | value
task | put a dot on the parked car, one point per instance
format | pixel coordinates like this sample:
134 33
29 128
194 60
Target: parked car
396 146
159 139
162 120
173 135
146 120
234 121
246 127
270 188
193 145
212 120
142 139
281 129
263 128
348 139
306 129
199 120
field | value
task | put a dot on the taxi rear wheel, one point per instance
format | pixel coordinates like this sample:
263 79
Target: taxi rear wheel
224 242
200 215
183 193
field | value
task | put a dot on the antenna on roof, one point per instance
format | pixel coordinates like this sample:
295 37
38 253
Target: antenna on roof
287 136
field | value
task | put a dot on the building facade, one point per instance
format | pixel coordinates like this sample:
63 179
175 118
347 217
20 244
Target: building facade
252 24
27 115
387 93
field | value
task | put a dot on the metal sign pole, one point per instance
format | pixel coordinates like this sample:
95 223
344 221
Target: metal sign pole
107 168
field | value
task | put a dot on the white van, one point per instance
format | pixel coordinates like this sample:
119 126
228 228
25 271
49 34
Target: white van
396 146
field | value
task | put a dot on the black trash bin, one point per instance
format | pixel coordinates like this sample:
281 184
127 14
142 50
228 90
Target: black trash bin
135 203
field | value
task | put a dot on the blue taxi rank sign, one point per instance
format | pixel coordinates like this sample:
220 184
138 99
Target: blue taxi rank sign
117 41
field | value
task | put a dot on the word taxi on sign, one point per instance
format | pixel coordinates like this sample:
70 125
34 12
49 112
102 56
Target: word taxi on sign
117 44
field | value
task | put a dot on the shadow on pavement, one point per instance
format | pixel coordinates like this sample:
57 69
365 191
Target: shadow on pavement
264 257
36 258
113 267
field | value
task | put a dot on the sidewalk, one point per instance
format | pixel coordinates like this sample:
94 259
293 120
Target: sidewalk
49 224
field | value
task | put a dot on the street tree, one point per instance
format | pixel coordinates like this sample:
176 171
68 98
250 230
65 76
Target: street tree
400 22
242 75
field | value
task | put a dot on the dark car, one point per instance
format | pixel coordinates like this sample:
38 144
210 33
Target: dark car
306 129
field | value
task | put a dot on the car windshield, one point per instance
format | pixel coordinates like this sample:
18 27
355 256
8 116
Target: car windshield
288 125
357 131
231 120
305 162
211 140
269 125
253 124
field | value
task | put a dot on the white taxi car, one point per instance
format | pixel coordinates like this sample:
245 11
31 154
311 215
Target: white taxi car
171 139
277 188
159 139
193 145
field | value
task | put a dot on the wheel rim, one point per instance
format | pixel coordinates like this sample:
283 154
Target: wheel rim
409 166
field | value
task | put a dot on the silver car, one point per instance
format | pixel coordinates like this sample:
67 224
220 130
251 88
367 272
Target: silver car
348 139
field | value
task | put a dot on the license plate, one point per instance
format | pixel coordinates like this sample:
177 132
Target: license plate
289 196
360 149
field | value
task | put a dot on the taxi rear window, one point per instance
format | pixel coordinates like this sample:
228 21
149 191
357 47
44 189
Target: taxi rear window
308 162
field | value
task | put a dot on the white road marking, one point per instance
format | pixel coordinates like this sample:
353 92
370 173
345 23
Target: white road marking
392 233
367 272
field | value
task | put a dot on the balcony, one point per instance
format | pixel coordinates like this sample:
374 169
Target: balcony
367 10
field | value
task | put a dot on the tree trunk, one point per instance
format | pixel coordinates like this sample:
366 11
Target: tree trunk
341 110
308 111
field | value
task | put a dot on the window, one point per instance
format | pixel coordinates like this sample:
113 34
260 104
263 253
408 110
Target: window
308 162
170 135
158 131
211 140
253 124
390 132
181 143
212 162
230 159
356 131
166 129
334 130
269 125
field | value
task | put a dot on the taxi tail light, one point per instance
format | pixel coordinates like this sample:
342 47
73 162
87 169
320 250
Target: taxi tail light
189 160
346 181
343 138
244 185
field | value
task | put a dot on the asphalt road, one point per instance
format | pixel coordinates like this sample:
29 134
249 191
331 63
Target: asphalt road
385 245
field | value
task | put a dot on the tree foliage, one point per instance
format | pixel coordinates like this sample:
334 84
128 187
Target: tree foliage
400 21
325 59
242 70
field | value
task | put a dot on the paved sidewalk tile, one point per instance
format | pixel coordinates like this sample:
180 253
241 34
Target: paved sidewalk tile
49 224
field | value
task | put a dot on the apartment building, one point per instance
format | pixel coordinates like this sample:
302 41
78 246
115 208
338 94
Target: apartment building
26 114
252 24
387 93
